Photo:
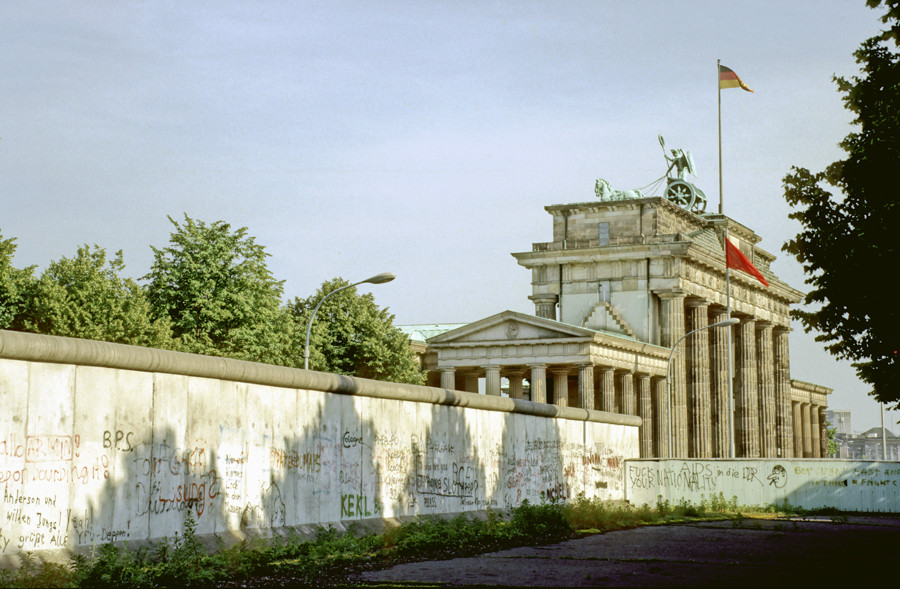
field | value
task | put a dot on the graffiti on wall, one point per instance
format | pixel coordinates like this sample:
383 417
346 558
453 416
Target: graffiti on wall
405 473
844 484
117 480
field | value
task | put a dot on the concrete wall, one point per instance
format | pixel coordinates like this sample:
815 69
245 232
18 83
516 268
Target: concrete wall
102 442
809 483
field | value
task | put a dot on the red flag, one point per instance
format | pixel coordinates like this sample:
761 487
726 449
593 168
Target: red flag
735 259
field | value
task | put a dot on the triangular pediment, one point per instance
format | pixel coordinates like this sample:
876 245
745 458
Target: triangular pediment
510 326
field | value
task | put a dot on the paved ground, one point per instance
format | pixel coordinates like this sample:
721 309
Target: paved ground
757 553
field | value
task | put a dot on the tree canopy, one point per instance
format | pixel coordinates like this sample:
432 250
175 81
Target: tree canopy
213 283
14 284
86 297
850 215
352 335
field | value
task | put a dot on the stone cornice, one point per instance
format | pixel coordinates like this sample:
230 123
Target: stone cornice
632 203
512 342
809 387
604 253
734 228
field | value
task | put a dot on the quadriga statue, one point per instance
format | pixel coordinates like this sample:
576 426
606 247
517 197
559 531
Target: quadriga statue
678 190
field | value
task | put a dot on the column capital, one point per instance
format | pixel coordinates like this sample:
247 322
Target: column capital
762 324
695 302
781 329
668 294
544 298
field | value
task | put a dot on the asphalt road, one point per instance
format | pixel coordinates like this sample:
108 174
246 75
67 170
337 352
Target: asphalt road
755 553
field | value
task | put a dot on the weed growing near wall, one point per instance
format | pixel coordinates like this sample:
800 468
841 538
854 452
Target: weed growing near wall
332 557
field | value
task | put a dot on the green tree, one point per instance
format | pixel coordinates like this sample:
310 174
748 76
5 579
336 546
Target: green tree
213 283
352 335
14 286
86 297
848 242
834 447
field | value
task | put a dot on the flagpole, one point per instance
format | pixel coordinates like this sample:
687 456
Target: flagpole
727 279
728 345
719 87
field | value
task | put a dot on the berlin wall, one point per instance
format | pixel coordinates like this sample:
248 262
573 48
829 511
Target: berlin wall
848 485
103 442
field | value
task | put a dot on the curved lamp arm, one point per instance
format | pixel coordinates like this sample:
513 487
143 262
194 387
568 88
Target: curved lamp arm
377 279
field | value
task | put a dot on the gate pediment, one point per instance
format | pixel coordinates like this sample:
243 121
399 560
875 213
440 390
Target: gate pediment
510 326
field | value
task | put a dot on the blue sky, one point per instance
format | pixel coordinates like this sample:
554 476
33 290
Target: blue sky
422 138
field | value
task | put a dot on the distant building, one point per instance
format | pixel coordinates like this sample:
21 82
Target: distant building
839 420
868 445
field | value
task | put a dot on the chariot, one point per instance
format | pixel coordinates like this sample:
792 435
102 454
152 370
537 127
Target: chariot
678 190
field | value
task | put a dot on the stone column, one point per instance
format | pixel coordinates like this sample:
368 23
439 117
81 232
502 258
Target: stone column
765 364
807 434
700 430
746 393
720 402
560 386
645 411
783 412
472 382
608 389
823 429
448 378
586 386
797 431
661 414
538 383
545 305
626 389
815 432
515 383
492 380
671 330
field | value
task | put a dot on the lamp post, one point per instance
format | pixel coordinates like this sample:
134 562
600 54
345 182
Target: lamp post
726 323
377 279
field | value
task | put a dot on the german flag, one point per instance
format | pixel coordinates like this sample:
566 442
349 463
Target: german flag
729 79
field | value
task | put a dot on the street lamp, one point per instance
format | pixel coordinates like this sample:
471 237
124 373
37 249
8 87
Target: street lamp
377 279
726 323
